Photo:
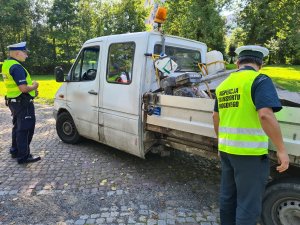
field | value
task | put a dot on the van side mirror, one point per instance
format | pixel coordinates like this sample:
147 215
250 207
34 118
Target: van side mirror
59 74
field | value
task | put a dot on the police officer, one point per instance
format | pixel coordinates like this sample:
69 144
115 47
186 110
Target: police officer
243 121
21 91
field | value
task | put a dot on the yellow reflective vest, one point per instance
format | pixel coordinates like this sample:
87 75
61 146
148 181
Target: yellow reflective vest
12 88
240 131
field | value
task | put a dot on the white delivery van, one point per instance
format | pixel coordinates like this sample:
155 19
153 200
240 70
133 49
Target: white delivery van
115 95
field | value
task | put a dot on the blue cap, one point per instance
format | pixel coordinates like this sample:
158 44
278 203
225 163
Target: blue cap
17 47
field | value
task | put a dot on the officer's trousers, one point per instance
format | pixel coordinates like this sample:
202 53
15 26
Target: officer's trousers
243 184
23 119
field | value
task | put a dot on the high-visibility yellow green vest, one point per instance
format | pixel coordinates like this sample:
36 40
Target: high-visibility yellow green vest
240 130
113 78
12 88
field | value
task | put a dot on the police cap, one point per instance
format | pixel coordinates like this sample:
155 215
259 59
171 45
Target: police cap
18 47
252 50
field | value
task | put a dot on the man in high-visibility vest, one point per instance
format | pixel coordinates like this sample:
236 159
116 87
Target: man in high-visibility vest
21 91
244 121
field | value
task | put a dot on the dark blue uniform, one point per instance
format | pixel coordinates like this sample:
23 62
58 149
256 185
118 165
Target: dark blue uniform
23 114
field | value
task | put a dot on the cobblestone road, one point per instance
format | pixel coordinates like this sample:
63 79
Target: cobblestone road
91 183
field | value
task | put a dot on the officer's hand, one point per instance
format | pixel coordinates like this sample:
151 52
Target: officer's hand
35 84
283 160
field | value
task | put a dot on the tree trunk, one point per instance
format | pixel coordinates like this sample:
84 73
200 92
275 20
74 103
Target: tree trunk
26 33
281 59
68 51
54 49
2 49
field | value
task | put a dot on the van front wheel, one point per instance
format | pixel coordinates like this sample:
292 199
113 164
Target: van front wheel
66 129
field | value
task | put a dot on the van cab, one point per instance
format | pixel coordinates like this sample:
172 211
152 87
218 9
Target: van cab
101 98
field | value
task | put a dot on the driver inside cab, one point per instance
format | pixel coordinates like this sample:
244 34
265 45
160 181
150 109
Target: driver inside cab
117 75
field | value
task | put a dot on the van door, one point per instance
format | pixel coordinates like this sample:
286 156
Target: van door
121 94
83 97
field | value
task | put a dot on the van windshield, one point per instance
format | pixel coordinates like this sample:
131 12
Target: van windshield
186 59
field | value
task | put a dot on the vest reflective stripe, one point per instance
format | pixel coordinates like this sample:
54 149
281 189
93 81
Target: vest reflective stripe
240 131
243 144
250 131
12 88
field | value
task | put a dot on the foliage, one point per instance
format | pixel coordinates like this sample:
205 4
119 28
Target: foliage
56 29
41 50
63 20
238 37
86 23
24 20
224 4
125 16
198 20
15 23
274 24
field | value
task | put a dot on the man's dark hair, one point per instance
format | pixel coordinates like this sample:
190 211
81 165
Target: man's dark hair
250 59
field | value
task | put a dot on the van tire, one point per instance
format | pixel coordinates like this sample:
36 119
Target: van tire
66 129
281 204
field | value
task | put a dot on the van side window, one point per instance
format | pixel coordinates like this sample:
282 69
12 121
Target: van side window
120 63
85 67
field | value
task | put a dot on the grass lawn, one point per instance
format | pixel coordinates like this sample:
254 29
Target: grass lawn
284 76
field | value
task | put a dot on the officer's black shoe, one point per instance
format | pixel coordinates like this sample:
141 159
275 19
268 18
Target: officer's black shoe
29 160
13 155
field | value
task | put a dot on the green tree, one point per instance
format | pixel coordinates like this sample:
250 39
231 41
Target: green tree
87 15
123 17
238 37
63 23
273 45
15 26
198 20
266 21
41 58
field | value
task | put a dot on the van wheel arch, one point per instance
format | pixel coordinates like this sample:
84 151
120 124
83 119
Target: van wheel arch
66 128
